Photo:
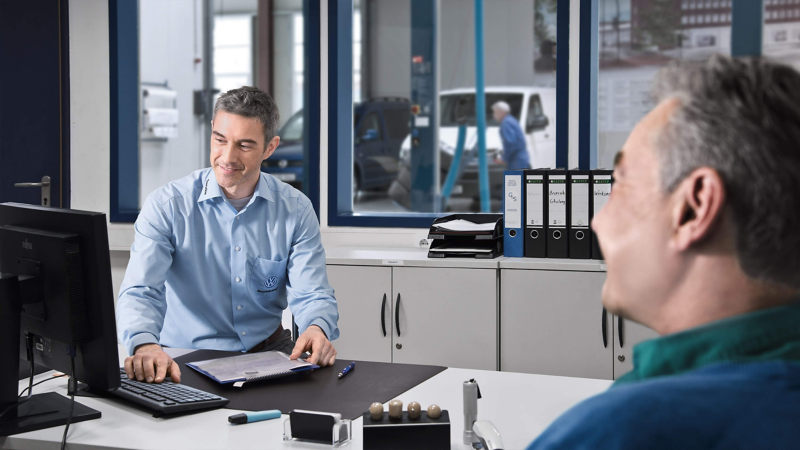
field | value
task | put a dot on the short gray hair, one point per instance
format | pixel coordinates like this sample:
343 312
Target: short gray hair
248 101
741 117
502 106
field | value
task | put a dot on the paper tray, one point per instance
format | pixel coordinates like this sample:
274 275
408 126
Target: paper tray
459 247
496 233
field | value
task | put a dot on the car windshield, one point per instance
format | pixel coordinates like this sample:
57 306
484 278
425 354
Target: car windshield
450 102
293 130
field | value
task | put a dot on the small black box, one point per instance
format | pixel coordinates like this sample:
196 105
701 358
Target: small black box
402 434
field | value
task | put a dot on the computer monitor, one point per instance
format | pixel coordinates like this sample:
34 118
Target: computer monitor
56 302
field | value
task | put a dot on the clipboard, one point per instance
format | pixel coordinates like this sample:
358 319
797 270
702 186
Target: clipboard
248 367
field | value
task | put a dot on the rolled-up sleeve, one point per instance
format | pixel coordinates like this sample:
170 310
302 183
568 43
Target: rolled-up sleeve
141 305
311 298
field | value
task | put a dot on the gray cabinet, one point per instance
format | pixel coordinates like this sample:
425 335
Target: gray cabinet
360 293
446 316
552 323
627 334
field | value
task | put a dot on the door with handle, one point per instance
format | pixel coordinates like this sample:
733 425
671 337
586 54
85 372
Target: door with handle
44 185
34 112
553 323
445 317
364 297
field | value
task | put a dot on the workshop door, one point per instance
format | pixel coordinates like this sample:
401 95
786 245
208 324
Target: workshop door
34 101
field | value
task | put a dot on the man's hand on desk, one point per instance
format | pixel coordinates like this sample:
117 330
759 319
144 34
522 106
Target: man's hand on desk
150 363
315 341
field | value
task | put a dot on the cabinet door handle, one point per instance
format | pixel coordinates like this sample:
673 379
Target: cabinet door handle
383 315
397 315
619 330
605 332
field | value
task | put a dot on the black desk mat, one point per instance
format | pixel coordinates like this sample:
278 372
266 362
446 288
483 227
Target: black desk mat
317 390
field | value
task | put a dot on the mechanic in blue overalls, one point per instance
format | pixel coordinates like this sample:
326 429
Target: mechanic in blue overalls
515 152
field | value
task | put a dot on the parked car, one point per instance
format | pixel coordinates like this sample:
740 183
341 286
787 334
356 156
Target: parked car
380 125
534 108
286 164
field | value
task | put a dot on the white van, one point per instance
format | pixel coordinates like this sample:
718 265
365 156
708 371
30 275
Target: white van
533 107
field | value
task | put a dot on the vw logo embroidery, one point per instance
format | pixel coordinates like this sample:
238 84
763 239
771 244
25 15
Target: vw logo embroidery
271 282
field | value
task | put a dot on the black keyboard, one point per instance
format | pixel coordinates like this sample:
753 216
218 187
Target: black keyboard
166 397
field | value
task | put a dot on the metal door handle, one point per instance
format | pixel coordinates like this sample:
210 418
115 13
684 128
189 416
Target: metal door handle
383 315
397 315
619 330
44 184
605 332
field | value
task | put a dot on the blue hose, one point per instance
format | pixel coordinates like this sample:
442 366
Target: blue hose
455 166
480 109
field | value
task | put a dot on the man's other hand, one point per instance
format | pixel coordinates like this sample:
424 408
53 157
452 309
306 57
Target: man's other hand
152 364
314 340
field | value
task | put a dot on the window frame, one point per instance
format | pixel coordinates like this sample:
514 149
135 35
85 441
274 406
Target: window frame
123 20
341 130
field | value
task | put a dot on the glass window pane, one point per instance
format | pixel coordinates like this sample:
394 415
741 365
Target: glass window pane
781 34
398 168
298 28
636 39
232 60
232 31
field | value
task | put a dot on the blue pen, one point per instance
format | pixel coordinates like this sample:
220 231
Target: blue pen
347 369
254 416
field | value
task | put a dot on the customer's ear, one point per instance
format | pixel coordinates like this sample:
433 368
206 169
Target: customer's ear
698 204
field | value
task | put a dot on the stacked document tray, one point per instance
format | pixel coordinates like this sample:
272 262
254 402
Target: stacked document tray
467 236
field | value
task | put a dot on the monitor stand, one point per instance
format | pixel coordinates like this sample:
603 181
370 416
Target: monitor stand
44 411
40 410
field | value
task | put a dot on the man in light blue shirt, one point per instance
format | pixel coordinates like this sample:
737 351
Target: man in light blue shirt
218 255
515 151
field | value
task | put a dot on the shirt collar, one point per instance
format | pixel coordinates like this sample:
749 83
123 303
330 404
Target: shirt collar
262 188
765 335
211 189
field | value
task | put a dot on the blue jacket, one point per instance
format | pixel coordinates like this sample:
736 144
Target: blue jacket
721 406
515 152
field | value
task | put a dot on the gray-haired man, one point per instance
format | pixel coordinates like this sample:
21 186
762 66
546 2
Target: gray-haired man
701 236
219 254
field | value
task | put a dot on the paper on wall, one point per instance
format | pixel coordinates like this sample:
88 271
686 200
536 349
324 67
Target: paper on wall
161 116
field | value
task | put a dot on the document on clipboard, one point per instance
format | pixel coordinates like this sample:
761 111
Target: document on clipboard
250 367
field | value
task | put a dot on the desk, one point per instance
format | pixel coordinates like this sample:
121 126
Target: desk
520 405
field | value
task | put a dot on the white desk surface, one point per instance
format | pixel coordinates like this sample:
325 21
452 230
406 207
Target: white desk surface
521 406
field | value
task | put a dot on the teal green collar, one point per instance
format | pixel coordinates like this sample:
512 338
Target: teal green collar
765 335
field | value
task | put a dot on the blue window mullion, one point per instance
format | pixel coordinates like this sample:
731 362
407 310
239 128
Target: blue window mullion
311 101
747 27
123 21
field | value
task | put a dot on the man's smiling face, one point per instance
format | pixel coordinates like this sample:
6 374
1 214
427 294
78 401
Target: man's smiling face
237 149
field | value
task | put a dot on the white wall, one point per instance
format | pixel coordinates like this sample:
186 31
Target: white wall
90 132
170 38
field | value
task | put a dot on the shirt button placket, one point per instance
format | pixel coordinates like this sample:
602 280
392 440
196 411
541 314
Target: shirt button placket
238 272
